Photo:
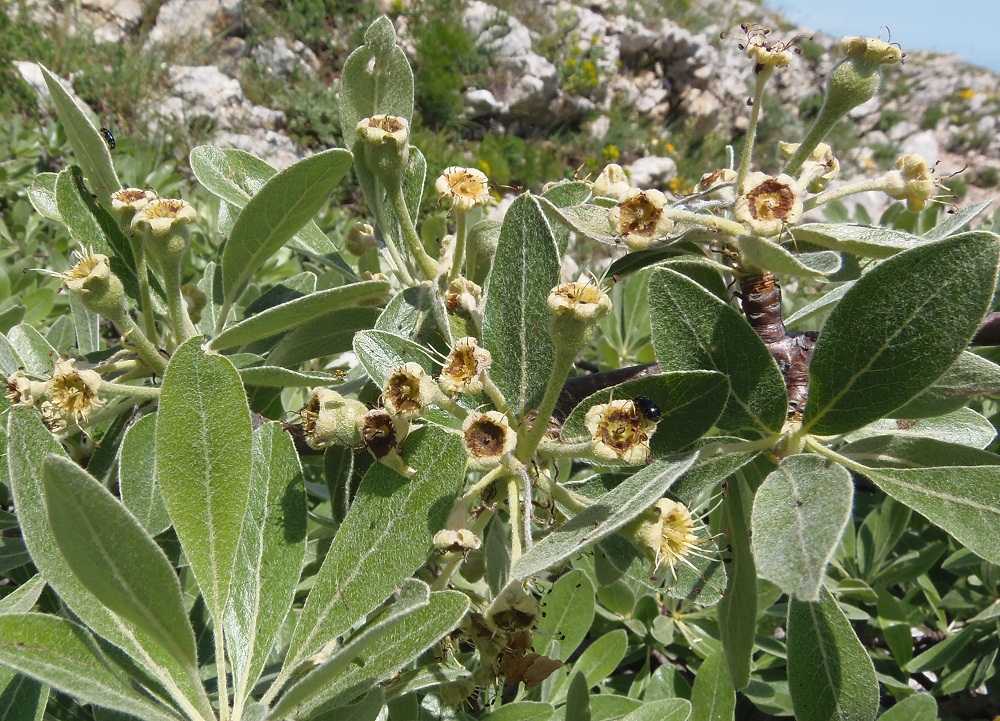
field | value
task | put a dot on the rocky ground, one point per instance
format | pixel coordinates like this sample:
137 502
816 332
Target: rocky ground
933 104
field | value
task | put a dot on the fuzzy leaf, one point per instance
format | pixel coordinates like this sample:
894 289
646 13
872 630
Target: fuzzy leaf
962 500
30 442
713 697
963 426
277 212
236 175
65 656
376 80
140 489
830 674
114 558
860 240
516 314
295 313
330 334
694 330
778 259
738 606
970 376
269 561
42 194
569 611
799 515
902 325
203 462
608 513
34 352
87 142
521 711
919 707
382 353
667 709
385 537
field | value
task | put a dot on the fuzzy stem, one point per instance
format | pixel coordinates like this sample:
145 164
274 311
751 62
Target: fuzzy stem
746 156
139 393
133 335
862 186
460 236
180 321
426 264
561 365
514 509
714 222
141 269
220 665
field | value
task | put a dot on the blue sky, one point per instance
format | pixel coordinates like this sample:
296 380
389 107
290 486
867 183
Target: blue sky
969 28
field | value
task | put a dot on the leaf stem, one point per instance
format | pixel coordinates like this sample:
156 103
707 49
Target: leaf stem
426 264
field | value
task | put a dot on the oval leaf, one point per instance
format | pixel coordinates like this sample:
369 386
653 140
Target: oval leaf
271 217
713 697
140 489
203 461
898 329
694 330
386 536
860 240
516 315
799 515
830 674
114 557
778 259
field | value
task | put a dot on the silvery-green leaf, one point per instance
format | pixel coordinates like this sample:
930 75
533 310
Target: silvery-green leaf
667 709
608 513
778 259
692 329
799 515
862 240
712 696
36 355
599 660
738 606
42 194
516 314
970 376
30 442
295 313
23 598
10 361
901 326
65 656
385 537
235 176
203 462
963 426
327 335
376 80
382 353
87 326
820 305
418 313
114 558
568 613
269 560
954 222
830 674
140 489
285 203
88 144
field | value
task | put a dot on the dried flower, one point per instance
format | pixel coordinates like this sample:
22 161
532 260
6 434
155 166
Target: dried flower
463 296
620 432
460 541
488 437
408 390
768 204
462 372
722 177
24 391
911 181
466 187
819 168
329 418
383 435
639 219
612 183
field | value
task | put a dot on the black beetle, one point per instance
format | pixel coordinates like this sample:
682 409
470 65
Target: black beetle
648 408
108 138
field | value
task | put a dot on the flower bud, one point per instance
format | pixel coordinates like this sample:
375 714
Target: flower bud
328 418
93 282
385 139
611 183
360 239
639 219
858 77
620 432
467 188
463 371
408 391
911 181
723 177
488 437
769 204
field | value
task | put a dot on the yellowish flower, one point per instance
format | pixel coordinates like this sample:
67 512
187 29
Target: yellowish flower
722 177
127 201
329 418
22 390
360 239
818 169
580 301
72 395
912 181
162 214
611 183
463 296
463 371
639 219
620 432
461 541
465 187
765 54
666 534
769 204
383 435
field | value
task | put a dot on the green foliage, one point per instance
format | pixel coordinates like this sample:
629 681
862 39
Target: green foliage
489 532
